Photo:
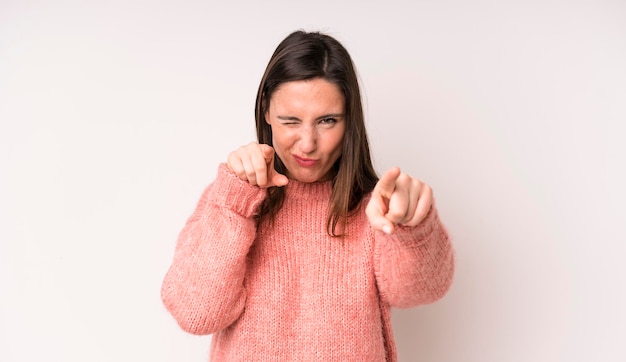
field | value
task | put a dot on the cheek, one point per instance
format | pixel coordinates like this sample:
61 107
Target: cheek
336 142
282 140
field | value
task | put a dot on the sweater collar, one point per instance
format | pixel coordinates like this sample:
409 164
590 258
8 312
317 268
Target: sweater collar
317 190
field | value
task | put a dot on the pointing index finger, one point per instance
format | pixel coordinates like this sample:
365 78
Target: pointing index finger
268 152
387 183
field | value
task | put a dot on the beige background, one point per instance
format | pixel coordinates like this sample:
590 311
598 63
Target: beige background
114 116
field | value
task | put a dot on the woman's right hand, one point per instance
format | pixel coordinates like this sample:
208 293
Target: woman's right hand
254 163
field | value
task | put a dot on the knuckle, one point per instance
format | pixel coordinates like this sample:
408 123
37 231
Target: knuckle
396 215
404 178
428 189
259 168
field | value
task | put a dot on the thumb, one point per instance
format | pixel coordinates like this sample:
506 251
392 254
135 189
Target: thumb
376 210
279 179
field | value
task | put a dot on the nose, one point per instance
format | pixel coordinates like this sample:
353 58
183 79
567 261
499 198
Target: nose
308 140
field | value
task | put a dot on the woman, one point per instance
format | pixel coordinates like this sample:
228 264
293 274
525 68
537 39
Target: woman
297 251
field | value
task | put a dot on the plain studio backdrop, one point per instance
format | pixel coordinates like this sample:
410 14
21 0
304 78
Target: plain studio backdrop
115 115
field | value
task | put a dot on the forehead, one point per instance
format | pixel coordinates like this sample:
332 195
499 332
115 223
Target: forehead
309 96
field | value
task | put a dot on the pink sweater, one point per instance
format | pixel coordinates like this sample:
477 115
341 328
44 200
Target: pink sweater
292 293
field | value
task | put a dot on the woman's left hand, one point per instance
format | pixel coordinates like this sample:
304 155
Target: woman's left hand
400 199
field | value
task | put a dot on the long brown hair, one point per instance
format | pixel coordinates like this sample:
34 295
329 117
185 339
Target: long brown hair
308 55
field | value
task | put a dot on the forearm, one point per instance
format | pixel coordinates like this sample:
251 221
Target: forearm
203 288
415 265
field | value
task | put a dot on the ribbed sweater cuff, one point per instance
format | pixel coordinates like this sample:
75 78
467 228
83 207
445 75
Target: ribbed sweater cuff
231 192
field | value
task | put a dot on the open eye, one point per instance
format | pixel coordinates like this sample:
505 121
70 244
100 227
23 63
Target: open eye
328 121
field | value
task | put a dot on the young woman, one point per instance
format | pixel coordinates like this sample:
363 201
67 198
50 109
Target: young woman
297 250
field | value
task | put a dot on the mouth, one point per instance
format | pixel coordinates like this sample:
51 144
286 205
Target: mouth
305 162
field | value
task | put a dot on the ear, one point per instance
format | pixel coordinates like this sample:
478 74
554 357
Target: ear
266 115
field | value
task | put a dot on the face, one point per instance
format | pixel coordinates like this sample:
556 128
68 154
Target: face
308 125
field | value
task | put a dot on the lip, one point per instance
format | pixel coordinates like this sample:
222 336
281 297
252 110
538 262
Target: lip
305 162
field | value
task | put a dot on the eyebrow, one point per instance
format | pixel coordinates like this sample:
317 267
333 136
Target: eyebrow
293 118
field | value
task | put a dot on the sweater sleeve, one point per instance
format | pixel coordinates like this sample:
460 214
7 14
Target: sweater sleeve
414 265
203 288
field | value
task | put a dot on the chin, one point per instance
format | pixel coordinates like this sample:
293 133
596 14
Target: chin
307 177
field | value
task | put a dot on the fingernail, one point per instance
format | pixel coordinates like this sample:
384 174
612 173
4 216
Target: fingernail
387 229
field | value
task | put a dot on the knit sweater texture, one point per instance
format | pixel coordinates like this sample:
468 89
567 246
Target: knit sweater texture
290 292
